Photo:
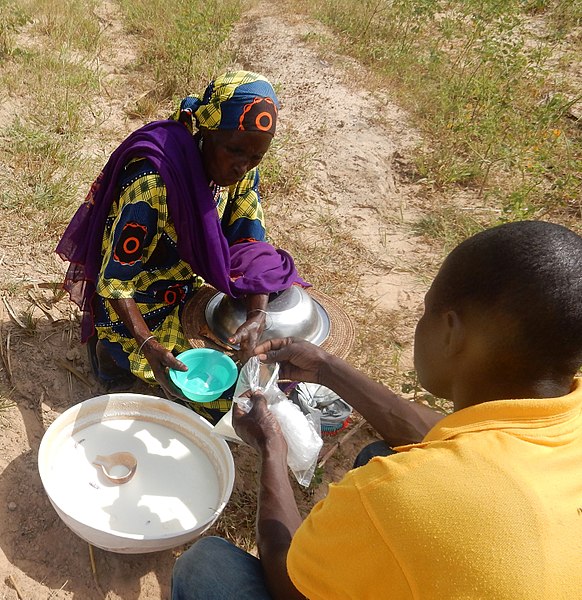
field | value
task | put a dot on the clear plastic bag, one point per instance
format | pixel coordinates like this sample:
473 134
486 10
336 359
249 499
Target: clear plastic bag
333 412
301 432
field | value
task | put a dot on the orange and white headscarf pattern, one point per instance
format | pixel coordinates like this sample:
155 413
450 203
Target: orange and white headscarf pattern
237 100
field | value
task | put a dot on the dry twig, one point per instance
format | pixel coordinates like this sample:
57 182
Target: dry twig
8 361
94 571
55 591
46 285
73 371
5 355
16 588
44 309
343 439
12 313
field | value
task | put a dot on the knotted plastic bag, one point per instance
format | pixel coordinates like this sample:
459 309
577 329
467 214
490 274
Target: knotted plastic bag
301 432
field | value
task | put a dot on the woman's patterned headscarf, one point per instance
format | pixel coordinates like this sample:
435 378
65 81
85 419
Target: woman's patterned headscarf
238 100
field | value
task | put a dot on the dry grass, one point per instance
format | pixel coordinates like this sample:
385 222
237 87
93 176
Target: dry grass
6 402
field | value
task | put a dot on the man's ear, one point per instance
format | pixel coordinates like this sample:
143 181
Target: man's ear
456 335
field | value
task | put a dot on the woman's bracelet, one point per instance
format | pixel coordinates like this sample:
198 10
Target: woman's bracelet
145 342
267 316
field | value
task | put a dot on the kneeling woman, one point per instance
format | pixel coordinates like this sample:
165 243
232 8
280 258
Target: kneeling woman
176 205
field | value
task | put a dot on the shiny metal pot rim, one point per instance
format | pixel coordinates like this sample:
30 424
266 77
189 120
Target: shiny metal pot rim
291 313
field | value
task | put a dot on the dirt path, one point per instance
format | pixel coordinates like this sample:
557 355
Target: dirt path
349 141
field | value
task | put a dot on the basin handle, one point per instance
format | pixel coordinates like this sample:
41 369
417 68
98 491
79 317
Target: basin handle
109 461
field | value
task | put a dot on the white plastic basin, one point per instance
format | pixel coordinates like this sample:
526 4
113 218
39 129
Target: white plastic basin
182 482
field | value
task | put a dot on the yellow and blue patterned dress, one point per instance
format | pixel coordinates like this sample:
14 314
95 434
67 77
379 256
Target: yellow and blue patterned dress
141 261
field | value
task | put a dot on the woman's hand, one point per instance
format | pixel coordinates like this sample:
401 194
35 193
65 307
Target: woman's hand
259 427
160 360
299 360
248 334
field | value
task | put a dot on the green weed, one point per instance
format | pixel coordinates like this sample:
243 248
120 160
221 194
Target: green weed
51 67
29 321
11 17
481 82
65 23
450 225
182 46
281 177
43 162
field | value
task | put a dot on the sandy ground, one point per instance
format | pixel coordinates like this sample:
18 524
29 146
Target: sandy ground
352 141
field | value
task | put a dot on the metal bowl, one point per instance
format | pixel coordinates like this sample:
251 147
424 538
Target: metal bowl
292 312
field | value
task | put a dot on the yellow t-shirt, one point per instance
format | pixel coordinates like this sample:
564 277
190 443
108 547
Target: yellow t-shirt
488 506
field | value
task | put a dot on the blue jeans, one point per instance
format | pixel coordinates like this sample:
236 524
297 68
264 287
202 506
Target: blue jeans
214 569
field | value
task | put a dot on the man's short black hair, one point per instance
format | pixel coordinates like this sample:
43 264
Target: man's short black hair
531 272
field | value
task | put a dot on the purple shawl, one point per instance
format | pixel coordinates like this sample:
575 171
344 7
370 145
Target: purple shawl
245 268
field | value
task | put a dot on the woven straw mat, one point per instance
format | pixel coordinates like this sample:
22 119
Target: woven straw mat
339 342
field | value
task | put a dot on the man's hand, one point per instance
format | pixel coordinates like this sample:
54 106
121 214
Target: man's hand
160 360
259 427
299 360
277 514
397 420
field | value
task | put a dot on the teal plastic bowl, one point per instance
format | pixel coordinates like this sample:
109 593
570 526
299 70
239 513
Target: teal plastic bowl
209 373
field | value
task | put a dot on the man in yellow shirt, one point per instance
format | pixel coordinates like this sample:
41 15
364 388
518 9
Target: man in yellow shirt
483 503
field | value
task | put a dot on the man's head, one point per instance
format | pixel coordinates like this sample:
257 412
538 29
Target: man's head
506 303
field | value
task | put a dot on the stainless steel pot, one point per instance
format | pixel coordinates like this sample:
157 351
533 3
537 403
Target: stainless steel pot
292 312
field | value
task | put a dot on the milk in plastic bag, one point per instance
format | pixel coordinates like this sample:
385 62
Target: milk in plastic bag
301 432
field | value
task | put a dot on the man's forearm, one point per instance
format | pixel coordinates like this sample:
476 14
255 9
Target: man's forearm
277 520
397 420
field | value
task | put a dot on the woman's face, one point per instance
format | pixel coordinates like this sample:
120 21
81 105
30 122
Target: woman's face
228 154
